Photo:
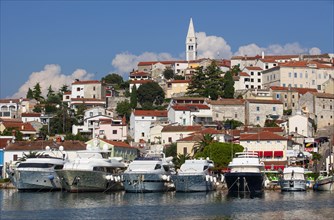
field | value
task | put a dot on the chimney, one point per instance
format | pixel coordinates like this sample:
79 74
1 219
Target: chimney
262 54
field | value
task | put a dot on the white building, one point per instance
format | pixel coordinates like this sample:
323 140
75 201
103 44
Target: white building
298 74
300 124
271 148
189 114
170 134
141 121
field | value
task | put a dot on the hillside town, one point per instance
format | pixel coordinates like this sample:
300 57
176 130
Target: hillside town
281 107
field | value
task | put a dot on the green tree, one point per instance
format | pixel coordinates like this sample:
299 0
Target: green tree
270 123
207 82
133 97
220 153
178 77
31 154
30 94
171 150
232 124
114 79
37 92
228 86
123 108
205 140
168 73
180 159
13 131
150 93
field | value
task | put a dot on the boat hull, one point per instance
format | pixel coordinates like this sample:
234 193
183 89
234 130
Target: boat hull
88 181
325 184
144 182
38 180
193 183
244 182
293 185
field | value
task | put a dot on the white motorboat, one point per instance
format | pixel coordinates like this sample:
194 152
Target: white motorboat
293 179
324 182
151 173
246 173
38 173
195 176
92 170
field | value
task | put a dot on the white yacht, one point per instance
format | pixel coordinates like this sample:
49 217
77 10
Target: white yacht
293 179
38 173
246 173
195 176
92 170
151 173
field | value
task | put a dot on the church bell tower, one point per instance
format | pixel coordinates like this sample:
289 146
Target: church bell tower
191 43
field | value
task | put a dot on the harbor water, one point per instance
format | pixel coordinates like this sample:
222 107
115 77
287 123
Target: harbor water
168 205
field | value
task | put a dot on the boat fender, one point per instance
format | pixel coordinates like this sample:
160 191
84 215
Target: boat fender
207 177
211 179
168 178
107 177
215 179
164 177
51 177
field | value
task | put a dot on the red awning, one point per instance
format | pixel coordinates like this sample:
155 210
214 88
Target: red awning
267 153
278 153
260 153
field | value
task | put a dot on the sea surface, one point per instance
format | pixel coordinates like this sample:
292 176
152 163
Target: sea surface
169 205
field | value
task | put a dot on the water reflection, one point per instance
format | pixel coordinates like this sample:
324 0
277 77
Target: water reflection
171 205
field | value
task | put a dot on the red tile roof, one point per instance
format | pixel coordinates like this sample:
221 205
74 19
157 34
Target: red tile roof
227 102
18 125
157 113
265 135
139 74
263 101
4 141
301 91
31 114
147 63
209 131
86 82
181 128
192 138
243 74
323 95
189 107
254 68
117 143
305 63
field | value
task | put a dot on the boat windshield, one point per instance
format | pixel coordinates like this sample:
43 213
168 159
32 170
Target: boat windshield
35 165
293 175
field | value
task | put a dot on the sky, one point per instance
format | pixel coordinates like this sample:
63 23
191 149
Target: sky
55 42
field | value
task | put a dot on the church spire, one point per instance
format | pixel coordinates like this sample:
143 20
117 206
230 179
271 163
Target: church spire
191 43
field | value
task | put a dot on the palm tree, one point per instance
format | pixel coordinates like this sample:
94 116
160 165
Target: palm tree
205 140
31 154
181 159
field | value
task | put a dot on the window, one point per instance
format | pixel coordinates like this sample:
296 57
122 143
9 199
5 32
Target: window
143 134
78 89
152 117
259 80
94 88
252 73
301 75
115 132
319 87
274 108
90 114
306 75
252 80
323 106
295 86
15 157
267 66
290 75
257 118
293 96
142 117
284 85
321 116
259 73
170 139
319 76
257 108
301 85
330 107
101 132
313 82
296 75
235 115
185 152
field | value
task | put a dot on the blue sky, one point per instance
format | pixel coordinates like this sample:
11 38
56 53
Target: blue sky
54 42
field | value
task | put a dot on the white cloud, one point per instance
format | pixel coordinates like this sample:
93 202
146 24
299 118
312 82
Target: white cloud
212 47
51 75
275 49
125 62
314 51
